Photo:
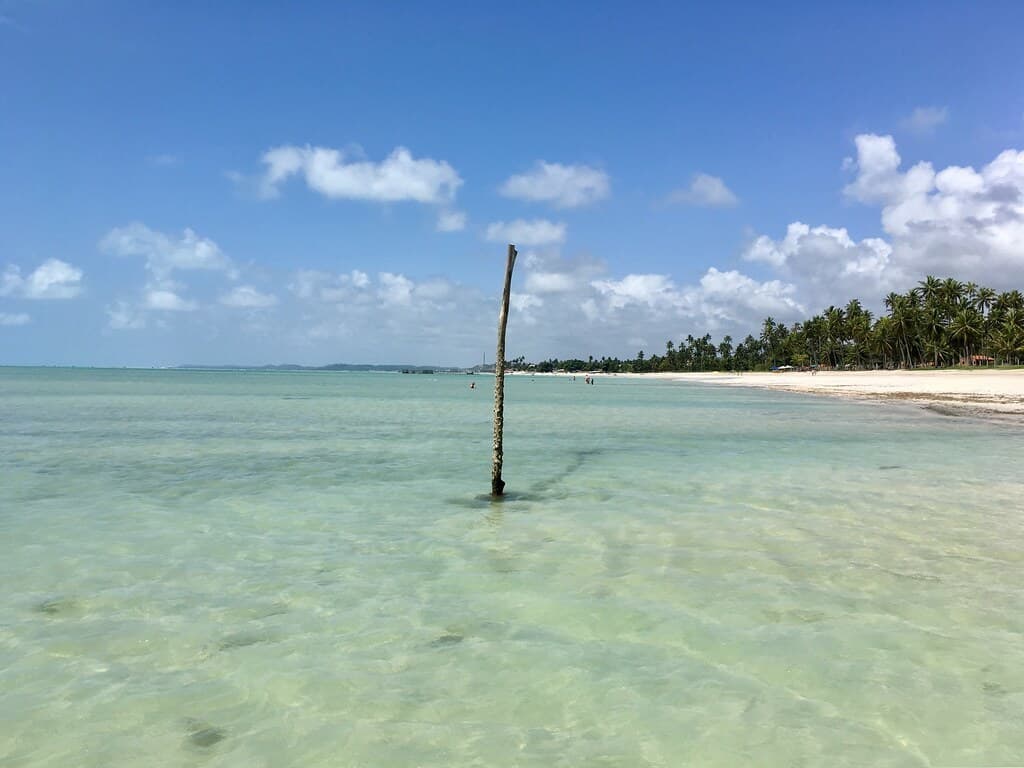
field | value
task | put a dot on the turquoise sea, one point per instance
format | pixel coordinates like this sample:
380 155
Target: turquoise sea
303 569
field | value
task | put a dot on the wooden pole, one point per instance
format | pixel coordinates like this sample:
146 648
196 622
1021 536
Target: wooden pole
497 484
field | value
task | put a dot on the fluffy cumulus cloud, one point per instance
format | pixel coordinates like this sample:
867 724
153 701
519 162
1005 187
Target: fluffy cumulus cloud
247 297
316 285
962 221
550 282
394 289
827 263
167 300
706 191
408 320
164 254
653 291
338 174
53 279
525 233
577 306
720 301
956 221
564 186
733 299
924 120
559 306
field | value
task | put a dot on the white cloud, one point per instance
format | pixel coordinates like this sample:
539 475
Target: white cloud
966 219
53 279
877 166
333 174
163 253
18 318
526 233
434 289
705 190
550 282
958 221
720 301
247 297
733 299
924 120
451 221
828 264
651 290
522 304
124 317
162 299
309 284
394 289
564 186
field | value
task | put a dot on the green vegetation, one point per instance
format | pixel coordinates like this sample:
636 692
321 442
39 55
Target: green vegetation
938 323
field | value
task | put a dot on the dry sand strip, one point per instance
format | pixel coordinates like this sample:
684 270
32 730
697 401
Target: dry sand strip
980 393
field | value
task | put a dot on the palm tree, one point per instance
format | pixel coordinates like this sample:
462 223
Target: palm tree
725 352
902 310
984 298
768 329
931 288
835 326
952 294
933 324
1009 343
965 327
883 340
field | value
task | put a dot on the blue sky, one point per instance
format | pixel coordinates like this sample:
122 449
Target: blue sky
268 182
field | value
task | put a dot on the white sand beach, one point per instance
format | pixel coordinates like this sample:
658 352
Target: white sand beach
980 392
983 392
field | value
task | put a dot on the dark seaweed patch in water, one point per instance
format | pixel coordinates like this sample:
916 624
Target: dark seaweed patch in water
446 640
577 459
539 491
242 640
203 734
945 410
277 609
484 500
793 616
55 606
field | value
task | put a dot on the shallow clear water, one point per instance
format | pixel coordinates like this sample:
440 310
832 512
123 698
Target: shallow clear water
267 569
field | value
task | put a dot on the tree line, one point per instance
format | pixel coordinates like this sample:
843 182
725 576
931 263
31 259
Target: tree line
938 323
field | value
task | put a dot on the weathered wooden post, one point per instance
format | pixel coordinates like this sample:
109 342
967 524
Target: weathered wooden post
497 484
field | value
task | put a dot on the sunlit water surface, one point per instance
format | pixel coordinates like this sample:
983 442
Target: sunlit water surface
270 569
